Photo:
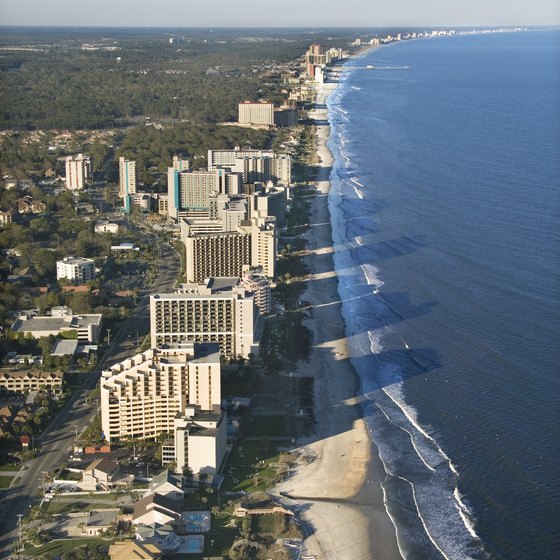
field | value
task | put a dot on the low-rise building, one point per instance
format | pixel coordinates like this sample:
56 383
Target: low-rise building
168 484
22 382
132 550
157 509
105 226
104 474
62 320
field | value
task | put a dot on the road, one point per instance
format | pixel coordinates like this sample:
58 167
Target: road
57 440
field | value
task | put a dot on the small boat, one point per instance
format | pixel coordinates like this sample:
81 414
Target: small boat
370 67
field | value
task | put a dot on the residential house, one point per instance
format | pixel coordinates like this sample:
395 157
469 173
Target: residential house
156 509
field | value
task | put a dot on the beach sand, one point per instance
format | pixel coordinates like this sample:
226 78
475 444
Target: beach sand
337 491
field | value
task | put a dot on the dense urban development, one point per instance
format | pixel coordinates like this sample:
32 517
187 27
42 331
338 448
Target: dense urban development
155 199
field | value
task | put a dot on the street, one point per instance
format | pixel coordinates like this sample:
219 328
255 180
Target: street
57 440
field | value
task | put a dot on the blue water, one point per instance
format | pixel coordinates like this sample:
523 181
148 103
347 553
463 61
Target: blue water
445 208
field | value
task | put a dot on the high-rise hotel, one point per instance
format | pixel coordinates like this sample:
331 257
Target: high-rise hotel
127 181
217 310
78 170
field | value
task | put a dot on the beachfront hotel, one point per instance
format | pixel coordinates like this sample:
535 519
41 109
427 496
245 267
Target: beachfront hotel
189 192
142 395
256 112
255 166
218 310
222 247
78 169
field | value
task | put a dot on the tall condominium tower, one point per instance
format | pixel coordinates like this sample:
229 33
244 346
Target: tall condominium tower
78 170
127 181
142 395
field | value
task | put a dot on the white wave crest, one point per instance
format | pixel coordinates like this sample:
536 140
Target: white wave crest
465 514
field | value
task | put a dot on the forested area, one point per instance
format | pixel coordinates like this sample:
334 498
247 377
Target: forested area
58 84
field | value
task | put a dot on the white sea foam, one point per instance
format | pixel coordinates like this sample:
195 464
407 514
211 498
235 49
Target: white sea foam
465 514
433 541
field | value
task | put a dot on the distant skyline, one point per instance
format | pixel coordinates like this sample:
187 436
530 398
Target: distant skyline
288 13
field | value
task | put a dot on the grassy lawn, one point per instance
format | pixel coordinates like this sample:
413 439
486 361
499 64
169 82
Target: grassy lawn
266 426
249 468
80 503
56 548
5 481
14 468
219 540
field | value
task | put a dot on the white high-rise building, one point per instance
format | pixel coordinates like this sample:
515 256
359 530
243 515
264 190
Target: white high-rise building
78 170
143 395
127 181
256 166
217 310
189 192
76 268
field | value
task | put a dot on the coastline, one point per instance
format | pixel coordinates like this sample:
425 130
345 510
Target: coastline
337 494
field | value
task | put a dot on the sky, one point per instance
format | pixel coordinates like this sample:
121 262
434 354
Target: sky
284 13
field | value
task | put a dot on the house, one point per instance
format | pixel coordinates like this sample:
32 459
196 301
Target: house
163 536
168 484
99 521
130 550
105 226
103 474
156 509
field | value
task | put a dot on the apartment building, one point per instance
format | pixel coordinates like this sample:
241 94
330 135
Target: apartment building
127 181
79 269
255 166
254 281
22 382
217 310
142 395
78 170
256 112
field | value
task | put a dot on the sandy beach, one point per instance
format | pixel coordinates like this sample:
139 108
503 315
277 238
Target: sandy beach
337 493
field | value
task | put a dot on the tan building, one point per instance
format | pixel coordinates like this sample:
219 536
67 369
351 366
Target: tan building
224 253
32 380
256 112
217 310
6 217
141 396
78 170
132 550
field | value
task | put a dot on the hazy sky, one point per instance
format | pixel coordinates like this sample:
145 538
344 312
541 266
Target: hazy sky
283 13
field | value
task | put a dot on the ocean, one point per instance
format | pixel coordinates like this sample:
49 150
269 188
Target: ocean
445 207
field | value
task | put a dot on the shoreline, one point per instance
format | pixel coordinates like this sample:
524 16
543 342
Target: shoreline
337 494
